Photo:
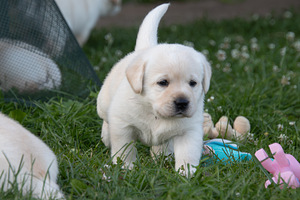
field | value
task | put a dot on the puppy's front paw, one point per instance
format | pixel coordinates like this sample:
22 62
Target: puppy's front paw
187 171
125 164
128 166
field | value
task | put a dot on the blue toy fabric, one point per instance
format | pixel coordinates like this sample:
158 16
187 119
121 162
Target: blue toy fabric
225 151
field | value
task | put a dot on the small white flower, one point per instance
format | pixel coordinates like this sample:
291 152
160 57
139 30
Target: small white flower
297 45
245 56
119 53
235 54
287 14
283 137
205 52
103 59
224 46
96 68
290 142
227 43
244 48
285 80
188 43
109 38
254 47
219 108
237 46
275 68
283 51
227 68
227 65
212 42
271 46
290 36
227 40
210 99
292 123
239 38
221 55
206 110
280 127
246 68
104 177
291 73
250 137
253 40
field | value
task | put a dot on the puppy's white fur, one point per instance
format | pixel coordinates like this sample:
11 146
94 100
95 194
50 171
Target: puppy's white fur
27 160
82 16
26 68
135 104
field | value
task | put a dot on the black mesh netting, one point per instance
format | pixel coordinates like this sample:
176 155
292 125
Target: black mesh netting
39 56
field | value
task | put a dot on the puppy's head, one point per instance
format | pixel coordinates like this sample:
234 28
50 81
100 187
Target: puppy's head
172 78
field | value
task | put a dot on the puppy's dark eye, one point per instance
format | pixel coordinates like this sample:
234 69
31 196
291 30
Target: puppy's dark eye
163 83
193 83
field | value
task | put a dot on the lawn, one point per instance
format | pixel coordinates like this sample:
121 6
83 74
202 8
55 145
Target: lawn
256 73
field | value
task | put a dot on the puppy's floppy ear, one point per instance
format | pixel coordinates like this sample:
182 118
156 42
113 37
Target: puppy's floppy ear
206 75
135 74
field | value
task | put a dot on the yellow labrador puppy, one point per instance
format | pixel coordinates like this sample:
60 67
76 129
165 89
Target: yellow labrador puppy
156 94
26 68
82 16
26 160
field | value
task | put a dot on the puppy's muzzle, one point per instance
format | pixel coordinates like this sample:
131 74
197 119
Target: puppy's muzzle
181 105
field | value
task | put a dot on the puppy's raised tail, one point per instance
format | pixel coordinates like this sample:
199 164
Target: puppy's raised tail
147 35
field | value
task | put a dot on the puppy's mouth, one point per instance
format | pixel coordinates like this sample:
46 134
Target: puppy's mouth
175 115
180 114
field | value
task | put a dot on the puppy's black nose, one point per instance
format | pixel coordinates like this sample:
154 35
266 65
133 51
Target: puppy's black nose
181 104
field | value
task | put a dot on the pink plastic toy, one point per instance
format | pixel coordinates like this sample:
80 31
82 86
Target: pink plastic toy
284 166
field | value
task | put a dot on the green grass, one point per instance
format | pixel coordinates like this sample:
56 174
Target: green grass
251 86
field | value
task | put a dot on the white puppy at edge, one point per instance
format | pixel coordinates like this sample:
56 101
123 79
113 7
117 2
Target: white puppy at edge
24 154
156 94
82 16
26 68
